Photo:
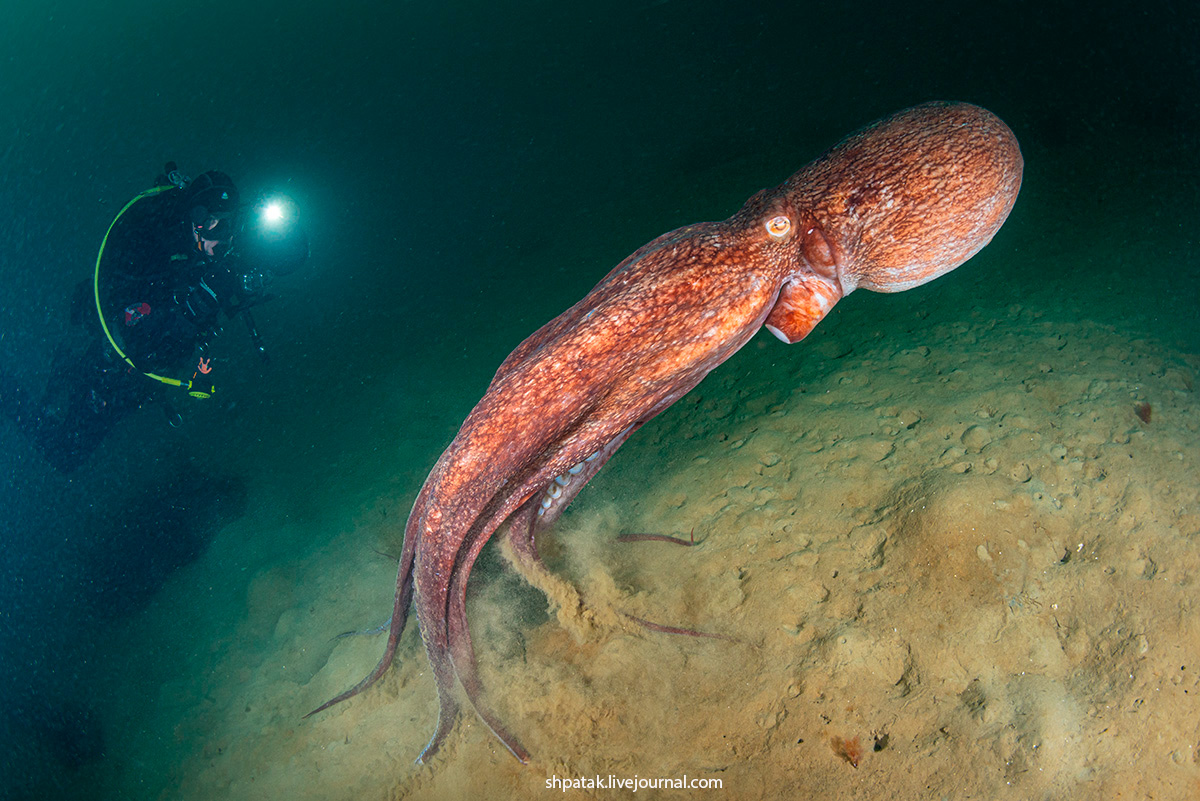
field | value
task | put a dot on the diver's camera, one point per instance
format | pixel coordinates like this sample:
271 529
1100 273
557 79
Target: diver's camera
254 283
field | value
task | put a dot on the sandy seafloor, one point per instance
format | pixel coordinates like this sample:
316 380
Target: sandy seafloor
937 526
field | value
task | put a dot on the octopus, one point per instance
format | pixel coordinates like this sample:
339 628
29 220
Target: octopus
890 207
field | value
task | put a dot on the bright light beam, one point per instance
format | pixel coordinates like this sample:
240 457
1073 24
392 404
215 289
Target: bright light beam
273 213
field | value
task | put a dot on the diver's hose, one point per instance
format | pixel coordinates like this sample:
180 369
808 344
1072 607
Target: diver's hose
175 382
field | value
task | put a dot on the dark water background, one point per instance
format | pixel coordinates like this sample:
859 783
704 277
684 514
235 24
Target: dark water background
467 171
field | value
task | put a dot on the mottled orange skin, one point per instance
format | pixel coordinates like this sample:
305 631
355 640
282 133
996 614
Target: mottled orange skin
890 207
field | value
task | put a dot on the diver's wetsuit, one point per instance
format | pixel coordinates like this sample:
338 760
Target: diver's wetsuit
148 277
150 291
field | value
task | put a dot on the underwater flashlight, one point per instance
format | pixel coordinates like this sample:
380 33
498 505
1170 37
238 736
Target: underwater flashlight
273 212
276 213
272 240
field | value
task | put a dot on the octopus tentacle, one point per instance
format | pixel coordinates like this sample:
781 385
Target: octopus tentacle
462 657
443 673
548 505
400 606
520 509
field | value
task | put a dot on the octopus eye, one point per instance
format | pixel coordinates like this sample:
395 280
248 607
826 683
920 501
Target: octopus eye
778 226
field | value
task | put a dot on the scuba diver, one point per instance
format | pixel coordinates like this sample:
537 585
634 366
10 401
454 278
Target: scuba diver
177 259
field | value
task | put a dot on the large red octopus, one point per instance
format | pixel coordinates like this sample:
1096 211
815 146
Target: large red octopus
899 203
